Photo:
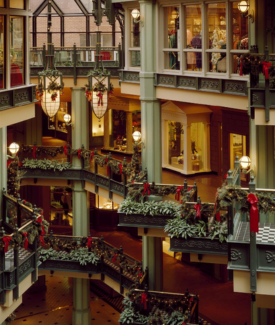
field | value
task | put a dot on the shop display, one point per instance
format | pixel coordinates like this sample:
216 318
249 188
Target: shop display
61 206
176 137
57 122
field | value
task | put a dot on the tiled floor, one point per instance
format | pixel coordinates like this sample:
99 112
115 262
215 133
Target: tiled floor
54 307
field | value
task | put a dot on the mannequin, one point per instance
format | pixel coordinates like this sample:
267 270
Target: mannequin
172 55
191 57
196 44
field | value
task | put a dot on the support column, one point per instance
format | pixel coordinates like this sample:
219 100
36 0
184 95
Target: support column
129 131
150 132
81 314
3 165
106 137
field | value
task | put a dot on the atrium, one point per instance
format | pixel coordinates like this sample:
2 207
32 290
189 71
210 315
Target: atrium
137 157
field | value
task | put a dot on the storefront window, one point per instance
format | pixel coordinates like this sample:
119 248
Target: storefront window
2 56
134 59
197 145
171 34
216 27
61 206
135 33
17 4
193 37
17 50
237 147
176 143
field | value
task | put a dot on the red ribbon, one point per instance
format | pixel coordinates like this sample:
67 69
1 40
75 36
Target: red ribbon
41 241
144 300
197 207
19 163
114 258
189 189
177 196
33 151
8 163
39 220
89 243
65 150
190 301
254 213
120 168
100 99
218 216
6 240
266 65
92 155
26 239
78 153
140 275
106 160
146 188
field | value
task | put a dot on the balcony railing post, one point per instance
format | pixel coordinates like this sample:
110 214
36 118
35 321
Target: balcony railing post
253 247
74 63
237 167
229 177
16 266
2 268
96 172
196 192
19 221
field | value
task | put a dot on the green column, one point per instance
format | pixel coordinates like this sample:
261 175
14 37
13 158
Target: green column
151 132
3 164
81 314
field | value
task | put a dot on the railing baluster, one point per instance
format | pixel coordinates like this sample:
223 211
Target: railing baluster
16 267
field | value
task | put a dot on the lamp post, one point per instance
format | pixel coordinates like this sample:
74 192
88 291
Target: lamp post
50 82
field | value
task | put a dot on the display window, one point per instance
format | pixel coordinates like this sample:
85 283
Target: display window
61 206
2 56
105 204
193 43
237 147
17 50
197 146
171 36
176 144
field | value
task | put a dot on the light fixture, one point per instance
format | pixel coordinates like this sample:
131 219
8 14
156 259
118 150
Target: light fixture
136 136
98 84
245 162
14 148
135 13
175 14
243 7
50 82
67 119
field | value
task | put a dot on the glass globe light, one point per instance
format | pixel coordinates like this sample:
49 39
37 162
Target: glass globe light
67 118
14 148
245 162
135 13
136 136
175 14
243 6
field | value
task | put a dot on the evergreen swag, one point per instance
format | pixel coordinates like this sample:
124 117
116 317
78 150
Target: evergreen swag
45 164
53 86
229 194
50 151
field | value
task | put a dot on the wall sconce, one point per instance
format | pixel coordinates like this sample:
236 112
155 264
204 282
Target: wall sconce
245 163
136 14
13 148
243 7
67 118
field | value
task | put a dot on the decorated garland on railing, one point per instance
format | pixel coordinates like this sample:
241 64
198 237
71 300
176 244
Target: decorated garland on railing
50 151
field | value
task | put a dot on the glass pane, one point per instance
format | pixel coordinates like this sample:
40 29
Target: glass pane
17 50
217 62
176 142
135 58
41 39
171 60
171 27
240 29
2 57
193 60
18 4
193 26
197 146
135 41
216 14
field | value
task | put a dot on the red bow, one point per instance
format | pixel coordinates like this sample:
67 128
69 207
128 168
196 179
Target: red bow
92 155
19 163
218 216
106 160
26 239
140 275
225 178
189 189
183 323
254 213
65 150
78 153
197 207
133 182
89 243
144 300
266 65
114 258
6 240
100 99
39 220
177 196
120 168
146 188
41 241
33 151
8 163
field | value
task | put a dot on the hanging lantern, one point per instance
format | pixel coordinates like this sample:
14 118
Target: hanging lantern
49 89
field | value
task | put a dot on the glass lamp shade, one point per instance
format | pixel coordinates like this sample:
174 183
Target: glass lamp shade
49 106
135 13
100 98
136 136
67 118
13 148
243 6
245 162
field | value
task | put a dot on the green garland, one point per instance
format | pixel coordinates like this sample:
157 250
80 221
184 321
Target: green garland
45 164
52 151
